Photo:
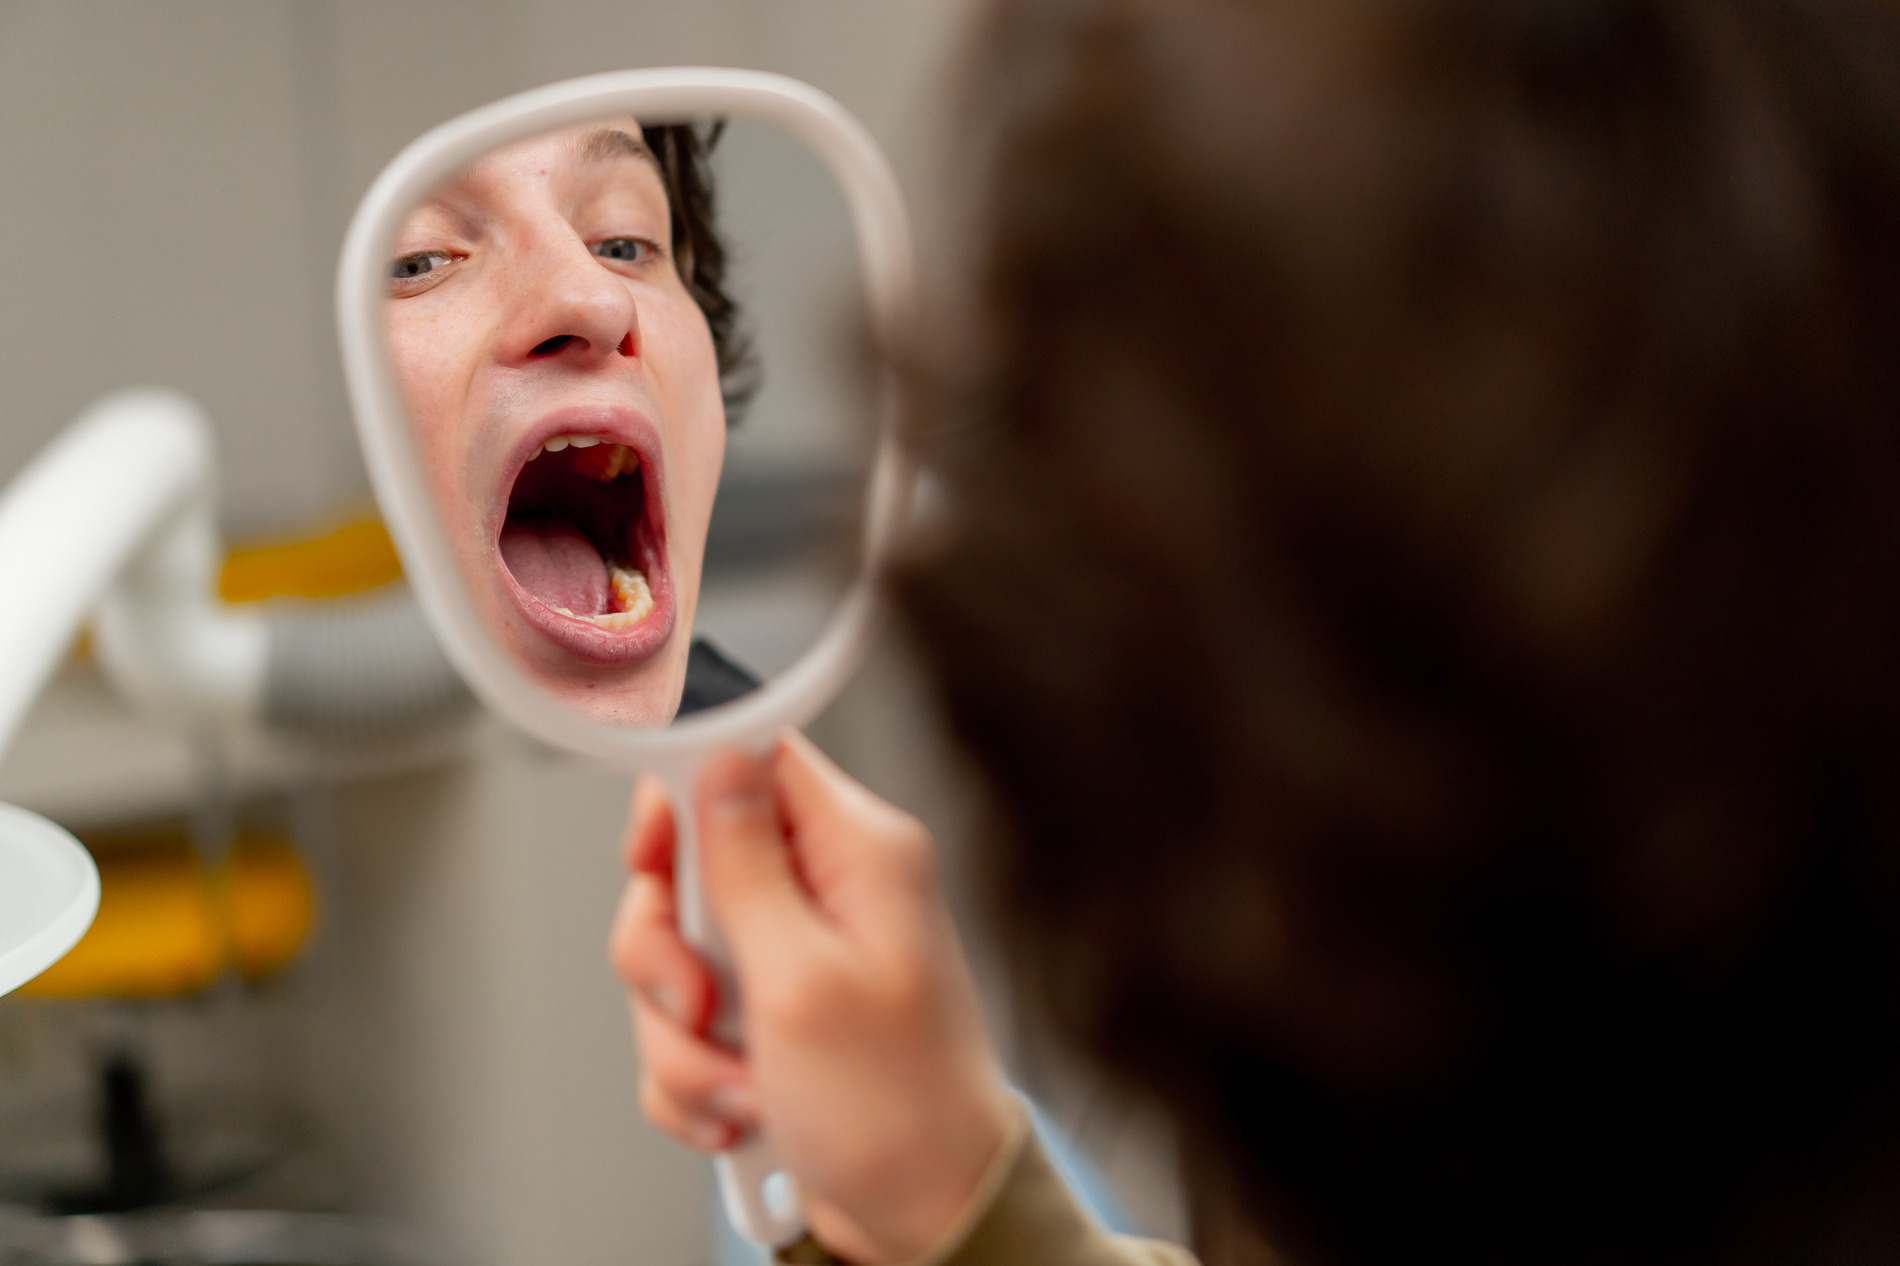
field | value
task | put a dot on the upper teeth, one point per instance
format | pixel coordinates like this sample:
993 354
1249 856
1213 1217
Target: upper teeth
621 461
555 443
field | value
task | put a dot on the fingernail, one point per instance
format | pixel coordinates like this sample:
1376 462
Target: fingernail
734 786
740 803
736 1104
708 1136
667 998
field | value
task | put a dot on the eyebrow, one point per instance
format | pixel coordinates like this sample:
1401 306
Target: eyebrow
611 143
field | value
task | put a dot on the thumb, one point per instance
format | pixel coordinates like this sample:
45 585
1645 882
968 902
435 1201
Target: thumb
745 862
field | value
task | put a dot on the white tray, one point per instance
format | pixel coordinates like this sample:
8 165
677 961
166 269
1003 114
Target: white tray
49 891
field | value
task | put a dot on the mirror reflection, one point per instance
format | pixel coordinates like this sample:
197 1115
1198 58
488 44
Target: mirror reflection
572 328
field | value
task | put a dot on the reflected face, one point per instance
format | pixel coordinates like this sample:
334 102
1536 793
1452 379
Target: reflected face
564 395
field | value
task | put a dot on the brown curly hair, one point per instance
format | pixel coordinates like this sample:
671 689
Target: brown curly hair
1422 592
684 152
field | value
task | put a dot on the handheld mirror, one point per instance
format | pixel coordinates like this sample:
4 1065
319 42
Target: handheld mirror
548 337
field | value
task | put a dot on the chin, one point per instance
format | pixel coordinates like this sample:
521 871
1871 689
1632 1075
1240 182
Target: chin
647 696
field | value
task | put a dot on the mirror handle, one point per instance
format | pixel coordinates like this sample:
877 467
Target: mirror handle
760 1197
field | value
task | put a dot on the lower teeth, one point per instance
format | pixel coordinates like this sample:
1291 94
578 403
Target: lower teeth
631 595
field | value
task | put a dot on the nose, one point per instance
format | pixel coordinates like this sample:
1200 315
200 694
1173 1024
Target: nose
568 307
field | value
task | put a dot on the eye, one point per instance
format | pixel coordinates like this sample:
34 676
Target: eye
420 264
625 250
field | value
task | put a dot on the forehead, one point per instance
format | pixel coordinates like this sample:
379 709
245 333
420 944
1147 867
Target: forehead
585 155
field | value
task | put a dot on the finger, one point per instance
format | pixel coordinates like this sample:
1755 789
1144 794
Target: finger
851 843
812 788
747 866
648 845
806 771
703 1079
705 1134
651 958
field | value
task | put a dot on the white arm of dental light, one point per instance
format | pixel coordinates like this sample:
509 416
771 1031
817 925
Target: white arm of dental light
115 516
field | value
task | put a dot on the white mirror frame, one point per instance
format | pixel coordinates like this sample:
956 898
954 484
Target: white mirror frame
759 1196
885 257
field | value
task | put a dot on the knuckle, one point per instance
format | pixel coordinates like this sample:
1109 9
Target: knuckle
678 1065
623 952
907 990
663 1058
626 966
644 1039
808 1004
909 841
632 956
656 1106
650 899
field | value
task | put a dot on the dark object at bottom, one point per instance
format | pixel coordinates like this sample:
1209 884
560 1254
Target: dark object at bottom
136 1173
712 679
208 1237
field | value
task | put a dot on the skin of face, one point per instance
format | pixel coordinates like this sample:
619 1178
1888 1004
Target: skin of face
536 293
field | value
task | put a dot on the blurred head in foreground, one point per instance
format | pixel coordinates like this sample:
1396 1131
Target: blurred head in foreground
1422 588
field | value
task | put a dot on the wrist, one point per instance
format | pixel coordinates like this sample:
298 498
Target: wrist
990 1132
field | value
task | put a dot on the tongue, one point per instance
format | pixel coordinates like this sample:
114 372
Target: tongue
555 563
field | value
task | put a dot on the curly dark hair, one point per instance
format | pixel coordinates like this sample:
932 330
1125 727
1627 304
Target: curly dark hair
1422 592
684 151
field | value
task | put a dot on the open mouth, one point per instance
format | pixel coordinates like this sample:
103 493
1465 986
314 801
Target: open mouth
584 544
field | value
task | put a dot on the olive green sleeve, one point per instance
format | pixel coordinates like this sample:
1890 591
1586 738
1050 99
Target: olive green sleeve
1023 1215
1031 1219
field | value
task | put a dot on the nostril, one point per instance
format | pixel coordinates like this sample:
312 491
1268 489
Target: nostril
551 346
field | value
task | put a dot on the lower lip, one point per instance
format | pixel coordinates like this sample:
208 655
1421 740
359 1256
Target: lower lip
585 640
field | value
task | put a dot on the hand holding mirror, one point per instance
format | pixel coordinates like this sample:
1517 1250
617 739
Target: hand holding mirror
539 357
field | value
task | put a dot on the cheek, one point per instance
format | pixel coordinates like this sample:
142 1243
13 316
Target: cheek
434 358
686 368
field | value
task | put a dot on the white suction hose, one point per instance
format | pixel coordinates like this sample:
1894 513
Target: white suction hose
115 515
361 669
